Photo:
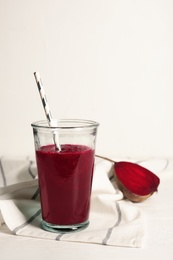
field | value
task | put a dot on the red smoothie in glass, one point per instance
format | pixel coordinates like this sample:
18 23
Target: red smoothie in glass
65 180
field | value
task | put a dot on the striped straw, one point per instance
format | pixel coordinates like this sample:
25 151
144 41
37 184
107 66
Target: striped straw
46 107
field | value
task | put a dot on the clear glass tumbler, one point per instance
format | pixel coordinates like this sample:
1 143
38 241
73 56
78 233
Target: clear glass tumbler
65 175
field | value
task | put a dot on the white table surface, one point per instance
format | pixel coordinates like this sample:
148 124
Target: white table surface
158 244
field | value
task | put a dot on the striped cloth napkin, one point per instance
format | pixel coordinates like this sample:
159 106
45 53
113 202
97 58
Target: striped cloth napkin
113 221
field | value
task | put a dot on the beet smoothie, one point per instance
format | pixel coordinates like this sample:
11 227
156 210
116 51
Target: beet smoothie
65 180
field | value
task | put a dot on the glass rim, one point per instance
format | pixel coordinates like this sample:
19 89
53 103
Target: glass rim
65 124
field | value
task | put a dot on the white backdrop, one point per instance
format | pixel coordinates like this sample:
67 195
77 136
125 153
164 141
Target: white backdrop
106 60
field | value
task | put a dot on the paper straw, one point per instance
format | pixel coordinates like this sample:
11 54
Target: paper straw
46 107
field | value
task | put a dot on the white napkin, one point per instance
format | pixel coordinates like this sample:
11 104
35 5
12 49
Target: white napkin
113 221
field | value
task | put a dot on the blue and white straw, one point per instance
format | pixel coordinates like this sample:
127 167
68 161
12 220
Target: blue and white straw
46 107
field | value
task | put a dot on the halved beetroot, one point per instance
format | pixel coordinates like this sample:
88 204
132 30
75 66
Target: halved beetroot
136 182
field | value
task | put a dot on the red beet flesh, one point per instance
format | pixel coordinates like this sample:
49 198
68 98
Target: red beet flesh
136 178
